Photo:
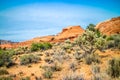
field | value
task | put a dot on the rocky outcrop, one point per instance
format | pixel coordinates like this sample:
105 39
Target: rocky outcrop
109 27
5 42
70 32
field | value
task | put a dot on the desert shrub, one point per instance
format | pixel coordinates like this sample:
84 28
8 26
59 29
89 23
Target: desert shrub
5 78
58 56
5 59
66 46
73 77
48 73
73 66
91 27
26 59
3 71
95 69
78 56
114 67
92 58
22 50
48 60
38 78
56 67
67 41
25 78
40 46
97 77
91 40
113 41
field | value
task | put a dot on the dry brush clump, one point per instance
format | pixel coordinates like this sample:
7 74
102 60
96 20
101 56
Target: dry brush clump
3 72
73 76
25 78
6 78
5 59
92 58
30 58
48 73
73 66
114 67
56 67
49 60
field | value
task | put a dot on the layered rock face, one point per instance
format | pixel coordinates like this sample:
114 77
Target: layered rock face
109 27
70 32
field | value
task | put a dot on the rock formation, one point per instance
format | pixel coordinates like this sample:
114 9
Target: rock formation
109 27
70 32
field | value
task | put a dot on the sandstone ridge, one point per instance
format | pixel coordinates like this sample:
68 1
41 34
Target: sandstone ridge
70 32
109 27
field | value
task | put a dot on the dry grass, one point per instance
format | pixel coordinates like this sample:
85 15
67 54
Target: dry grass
61 62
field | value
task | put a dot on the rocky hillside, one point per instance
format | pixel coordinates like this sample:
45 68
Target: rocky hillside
5 42
108 27
70 32
111 26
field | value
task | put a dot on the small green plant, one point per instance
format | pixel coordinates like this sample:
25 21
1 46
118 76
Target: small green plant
5 78
5 59
48 73
40 46
114 67
95 69
91 27
25 78
92 58
113 41
26 59
67 41
78 56
3 72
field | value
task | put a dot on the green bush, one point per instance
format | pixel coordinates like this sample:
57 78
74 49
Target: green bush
113 41
3 71
91 27
114 67
40 46
92 58
5 59
27 59
5 78
25 78
91 39
48 74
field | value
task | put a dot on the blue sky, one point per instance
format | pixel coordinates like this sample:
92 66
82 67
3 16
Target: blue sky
25 19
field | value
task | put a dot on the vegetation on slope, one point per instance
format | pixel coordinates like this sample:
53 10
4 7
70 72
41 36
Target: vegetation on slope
81 58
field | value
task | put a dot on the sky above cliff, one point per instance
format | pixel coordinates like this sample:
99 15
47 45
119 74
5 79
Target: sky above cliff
25 19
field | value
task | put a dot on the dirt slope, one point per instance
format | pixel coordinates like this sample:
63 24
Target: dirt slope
109 27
